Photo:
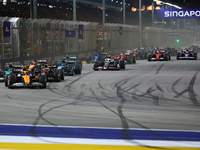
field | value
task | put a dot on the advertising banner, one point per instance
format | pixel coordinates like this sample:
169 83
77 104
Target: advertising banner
70 32
80 31
6 28
177 13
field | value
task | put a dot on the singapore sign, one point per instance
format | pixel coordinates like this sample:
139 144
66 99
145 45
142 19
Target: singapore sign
177 13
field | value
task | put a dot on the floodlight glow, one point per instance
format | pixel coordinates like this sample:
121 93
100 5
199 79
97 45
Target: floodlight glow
167 4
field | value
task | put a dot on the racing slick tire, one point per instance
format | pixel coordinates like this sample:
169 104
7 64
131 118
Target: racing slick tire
96 64
122 64
166 57
195 56
177 57
134 59
11 79
42 79
78 69
6 80
79 62
62 74
57 75
130 60
117 64
88 59
149 58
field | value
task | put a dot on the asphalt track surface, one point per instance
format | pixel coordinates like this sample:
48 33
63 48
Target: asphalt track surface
149 95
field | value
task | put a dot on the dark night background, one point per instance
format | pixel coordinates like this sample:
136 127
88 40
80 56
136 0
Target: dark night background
182 3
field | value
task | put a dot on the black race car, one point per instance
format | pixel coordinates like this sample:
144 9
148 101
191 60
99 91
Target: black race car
51 72
109 63
71 66
141 53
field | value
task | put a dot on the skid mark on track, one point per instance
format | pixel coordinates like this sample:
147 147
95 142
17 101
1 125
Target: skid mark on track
159 87
158 70
125 126
190 90
8 96
42 113
155 98
174 90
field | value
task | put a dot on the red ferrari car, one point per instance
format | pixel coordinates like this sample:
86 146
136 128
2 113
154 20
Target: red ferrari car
128 57
159 55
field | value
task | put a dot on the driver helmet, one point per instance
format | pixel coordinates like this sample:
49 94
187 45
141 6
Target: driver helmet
66 57
24 67
46 66
34 61
10 65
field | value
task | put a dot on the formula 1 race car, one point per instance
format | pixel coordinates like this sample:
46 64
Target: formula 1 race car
159 55
109 64
129 57
187 54
71 66
51 72
22 77
141 53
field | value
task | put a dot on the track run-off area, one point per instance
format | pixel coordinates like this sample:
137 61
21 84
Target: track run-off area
149 105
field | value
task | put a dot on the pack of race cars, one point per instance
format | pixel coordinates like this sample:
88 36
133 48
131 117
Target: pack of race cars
103 61
39 72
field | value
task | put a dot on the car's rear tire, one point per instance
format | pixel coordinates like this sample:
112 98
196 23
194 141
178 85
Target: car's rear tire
195 56
149 58
62 74
57 76
96 64
130 59
122 64
6 80
166 57
42 79
79 62
11 78
78 69
134 59
88 59
177 57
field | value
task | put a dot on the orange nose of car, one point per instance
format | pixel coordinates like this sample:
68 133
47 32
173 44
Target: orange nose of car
26 79
157 56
